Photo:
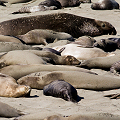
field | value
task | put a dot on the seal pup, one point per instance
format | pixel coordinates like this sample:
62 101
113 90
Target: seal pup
43 36
8 112
106 45
105 5
61 89
60 22
10 88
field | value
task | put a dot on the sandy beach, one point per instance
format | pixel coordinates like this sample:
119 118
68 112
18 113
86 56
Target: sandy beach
91 101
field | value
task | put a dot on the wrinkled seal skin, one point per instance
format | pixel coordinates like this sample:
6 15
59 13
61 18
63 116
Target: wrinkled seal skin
62 89
105 5
61 22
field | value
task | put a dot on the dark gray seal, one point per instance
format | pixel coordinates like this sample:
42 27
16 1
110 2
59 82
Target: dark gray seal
61 22
106 45
61 89
49 3
105 5
117 40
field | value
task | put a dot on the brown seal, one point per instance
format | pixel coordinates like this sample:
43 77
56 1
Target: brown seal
61 22
105 5
61 89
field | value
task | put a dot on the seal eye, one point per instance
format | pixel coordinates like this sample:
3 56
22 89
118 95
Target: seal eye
103 25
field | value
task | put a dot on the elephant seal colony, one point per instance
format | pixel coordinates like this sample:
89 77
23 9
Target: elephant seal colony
58 64
61 22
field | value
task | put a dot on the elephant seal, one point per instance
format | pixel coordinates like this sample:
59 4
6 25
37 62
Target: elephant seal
49 3
9 87
81 53
41 36
17 71
20 57
8 112
106 45
30 9
100 62
60 22
61 89
79 80
5 38
105 5
115 67
116 40
9 46
85 41
69 3
15 1
58 60
85 1
52 50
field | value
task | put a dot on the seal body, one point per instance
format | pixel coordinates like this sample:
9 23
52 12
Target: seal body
43 36
8 111
62 89
105 5
106 45
49 3
61 22
30 9
9 87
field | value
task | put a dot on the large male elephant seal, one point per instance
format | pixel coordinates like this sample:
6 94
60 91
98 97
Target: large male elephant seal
9 87
62 89
61 22
7 111
105 5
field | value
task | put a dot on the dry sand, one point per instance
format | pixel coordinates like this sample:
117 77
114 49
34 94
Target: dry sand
92 101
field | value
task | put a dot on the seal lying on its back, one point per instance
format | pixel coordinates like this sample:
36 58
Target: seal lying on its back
105 5
62 89
61 22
